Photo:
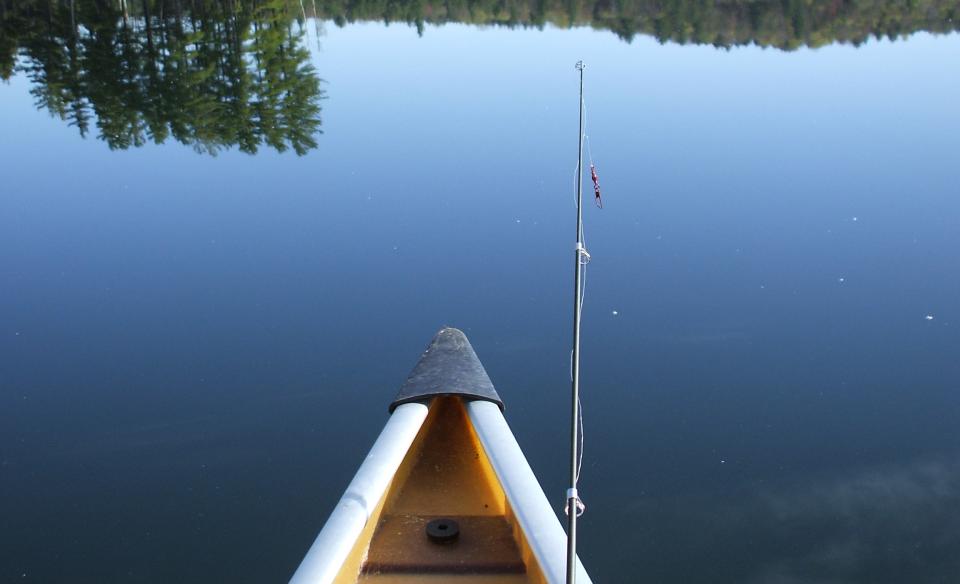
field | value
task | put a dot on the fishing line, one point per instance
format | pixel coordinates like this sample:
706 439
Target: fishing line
583 259
583 292
586 134
574 505
584 138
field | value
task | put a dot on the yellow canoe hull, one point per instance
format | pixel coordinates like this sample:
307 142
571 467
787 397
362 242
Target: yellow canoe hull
446 474
445 494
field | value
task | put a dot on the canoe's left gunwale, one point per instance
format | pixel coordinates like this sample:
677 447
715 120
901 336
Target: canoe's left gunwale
333 548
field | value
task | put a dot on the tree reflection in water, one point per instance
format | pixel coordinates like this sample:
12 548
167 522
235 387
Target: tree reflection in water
222 73
213 76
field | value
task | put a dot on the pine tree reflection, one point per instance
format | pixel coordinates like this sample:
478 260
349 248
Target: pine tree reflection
213 77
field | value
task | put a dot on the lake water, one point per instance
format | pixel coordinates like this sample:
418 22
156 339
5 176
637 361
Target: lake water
226 238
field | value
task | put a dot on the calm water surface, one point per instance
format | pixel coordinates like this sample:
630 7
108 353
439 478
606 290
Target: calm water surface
197 350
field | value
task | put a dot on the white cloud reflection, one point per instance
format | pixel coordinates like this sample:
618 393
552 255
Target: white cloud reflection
893 524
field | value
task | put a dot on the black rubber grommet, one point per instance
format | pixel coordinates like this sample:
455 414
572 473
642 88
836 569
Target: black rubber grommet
443 530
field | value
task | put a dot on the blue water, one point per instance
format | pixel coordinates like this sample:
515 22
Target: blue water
197 351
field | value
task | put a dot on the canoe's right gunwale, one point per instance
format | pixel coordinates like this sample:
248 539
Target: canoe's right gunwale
529 505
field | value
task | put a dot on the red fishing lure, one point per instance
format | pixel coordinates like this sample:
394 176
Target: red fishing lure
596 186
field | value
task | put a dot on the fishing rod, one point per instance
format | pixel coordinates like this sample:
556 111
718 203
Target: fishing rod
574 505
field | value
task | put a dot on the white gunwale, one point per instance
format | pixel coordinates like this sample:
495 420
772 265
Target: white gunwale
341 531
539 524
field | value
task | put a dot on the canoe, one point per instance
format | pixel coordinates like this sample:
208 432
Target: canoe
445 494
